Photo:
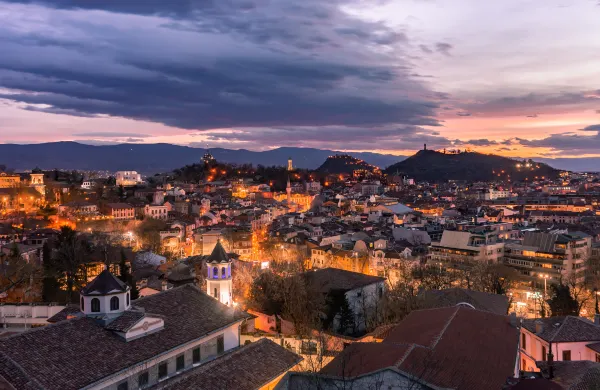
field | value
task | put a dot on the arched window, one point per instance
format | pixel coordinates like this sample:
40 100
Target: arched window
216 295
127 299
82 304
114 303
95 305
215 272
223 273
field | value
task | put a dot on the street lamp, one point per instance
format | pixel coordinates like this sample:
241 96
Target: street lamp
545 276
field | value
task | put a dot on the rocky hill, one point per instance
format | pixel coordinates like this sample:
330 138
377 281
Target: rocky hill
429 165
344 163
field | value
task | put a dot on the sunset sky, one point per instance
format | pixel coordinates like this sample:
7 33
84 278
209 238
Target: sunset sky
512 77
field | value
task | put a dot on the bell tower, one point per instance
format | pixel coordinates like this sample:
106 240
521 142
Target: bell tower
219 283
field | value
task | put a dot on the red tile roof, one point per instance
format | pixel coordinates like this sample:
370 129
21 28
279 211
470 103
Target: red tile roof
454 347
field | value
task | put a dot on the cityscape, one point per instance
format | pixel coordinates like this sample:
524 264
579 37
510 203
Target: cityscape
282 195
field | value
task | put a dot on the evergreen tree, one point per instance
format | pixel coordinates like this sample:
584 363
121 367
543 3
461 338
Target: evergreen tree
562 302
346 325
126 276
50 283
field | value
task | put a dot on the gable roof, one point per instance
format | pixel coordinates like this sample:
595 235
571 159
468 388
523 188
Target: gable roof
455 347
94 352
564 329
105 283
494 303
246 368
574 375
333 279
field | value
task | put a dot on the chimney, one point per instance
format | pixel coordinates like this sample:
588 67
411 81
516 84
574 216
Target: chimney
597 319
512 317
550 362
539 327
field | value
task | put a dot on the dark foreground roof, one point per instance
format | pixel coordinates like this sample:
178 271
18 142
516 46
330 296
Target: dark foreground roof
574 375
74 353
455 347
247 368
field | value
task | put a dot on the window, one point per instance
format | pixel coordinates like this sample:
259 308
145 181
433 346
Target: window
223 273
95 305
82 304
114 303
524 341
127 299
566 356
163 370
544 354
123 386
523 364
196 355
215 272
597 358
216 295
212 347
180 362
143 379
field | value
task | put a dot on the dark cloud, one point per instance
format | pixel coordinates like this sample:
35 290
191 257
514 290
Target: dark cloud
408 137
591 128
443 47
215 64
525 104
567 144
477 142
110 134
463 113
425 49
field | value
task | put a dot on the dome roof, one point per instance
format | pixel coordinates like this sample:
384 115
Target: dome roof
103 284
218 254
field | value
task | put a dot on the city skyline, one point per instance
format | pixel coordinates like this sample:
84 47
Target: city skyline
517 78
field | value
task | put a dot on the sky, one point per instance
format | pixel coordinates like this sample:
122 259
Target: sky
512 77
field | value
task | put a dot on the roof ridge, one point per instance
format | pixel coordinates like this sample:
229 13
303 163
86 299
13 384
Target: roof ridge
439 337
559 328
410 348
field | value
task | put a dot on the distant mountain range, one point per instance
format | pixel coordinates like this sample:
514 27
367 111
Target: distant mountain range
344 163
429 165
155 158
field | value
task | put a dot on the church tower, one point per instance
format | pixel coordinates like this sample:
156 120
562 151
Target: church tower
288 189
290 165
219 283
105 296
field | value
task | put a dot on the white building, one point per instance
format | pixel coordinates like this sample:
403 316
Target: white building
219 283
179 338
128 178
156 212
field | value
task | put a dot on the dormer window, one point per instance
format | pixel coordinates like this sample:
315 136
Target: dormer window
95 305
114 303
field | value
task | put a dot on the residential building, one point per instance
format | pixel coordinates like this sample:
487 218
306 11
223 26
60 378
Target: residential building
568 338
156 212
176 339
445 348
550 256
128 178
460 249
119 211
